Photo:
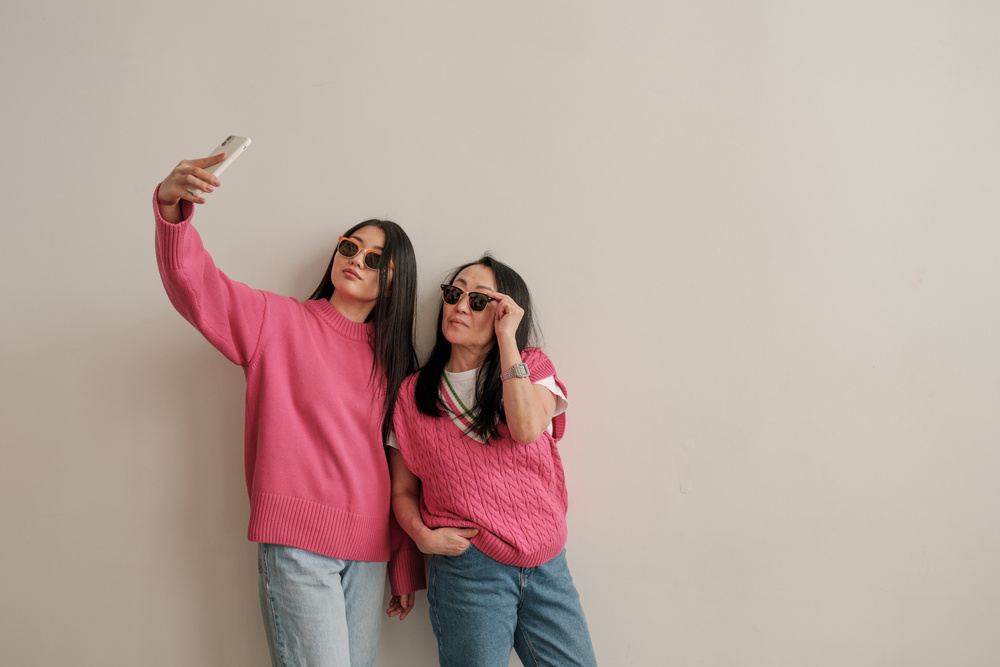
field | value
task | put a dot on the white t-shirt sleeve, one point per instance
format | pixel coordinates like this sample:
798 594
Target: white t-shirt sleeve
391 440
561 402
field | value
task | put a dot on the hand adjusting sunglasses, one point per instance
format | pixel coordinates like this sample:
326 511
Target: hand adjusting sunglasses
477 300
350 248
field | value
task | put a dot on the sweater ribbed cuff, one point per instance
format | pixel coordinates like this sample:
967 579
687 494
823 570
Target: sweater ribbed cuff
407 572
170 235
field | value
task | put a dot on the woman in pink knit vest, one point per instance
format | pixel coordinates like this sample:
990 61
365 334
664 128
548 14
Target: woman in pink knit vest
322 380
477 480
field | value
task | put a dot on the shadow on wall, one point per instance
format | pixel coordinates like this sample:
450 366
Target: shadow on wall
216 565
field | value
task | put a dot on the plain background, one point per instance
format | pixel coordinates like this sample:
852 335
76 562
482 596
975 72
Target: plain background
762 237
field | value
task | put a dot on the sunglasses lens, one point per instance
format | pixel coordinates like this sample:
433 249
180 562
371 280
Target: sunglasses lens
478 301
348 248
373 260
451 294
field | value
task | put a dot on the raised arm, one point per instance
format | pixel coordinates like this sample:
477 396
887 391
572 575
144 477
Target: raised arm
528 407
228 313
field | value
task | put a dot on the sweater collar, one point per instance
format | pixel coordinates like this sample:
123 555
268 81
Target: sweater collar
339 323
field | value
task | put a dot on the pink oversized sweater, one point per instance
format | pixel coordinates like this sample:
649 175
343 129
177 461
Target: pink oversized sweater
514 494
316 470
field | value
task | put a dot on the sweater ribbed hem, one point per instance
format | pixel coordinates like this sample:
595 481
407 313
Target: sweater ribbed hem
321 529
504 553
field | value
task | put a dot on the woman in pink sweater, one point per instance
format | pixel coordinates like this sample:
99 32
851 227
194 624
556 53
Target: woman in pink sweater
477 480
322 380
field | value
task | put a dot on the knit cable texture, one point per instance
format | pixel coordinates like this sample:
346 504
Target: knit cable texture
514 494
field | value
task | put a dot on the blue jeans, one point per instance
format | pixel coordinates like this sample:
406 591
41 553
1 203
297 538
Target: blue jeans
319 610
481 609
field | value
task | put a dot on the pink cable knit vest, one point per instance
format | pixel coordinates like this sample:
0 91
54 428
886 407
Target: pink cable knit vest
514 494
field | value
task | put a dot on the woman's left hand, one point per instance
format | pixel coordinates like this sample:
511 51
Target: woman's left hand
400 605
507 314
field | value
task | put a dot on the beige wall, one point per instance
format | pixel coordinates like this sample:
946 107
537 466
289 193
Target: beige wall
762 237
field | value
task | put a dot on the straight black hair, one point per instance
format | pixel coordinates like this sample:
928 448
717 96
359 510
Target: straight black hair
392 316
488 411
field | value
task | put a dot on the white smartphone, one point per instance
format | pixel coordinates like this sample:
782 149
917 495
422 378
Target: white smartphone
233 146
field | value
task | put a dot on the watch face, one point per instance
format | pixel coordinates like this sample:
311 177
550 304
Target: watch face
516 371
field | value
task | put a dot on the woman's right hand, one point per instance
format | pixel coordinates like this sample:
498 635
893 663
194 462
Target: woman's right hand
186 174
447 541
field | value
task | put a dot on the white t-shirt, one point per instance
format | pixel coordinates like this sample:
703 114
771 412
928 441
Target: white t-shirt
464 384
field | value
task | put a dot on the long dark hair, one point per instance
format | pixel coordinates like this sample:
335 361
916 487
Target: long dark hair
489 389
392 316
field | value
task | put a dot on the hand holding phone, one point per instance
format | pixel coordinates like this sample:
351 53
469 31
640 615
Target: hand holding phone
233 146
183 182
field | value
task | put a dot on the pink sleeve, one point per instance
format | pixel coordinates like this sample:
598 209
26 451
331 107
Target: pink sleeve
228 313
406 564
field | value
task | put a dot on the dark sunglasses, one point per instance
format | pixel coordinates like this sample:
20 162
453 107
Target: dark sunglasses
477 300
349 248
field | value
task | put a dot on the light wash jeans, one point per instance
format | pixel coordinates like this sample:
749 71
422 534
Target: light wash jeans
481 609
319 611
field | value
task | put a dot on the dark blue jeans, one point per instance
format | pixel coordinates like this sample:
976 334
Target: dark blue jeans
481 609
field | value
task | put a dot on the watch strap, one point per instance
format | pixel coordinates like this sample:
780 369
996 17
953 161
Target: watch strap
518 370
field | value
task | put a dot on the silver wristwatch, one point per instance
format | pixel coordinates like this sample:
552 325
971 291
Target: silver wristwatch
516 371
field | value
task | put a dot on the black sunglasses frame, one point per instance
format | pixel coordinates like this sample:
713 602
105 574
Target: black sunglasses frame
474 297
